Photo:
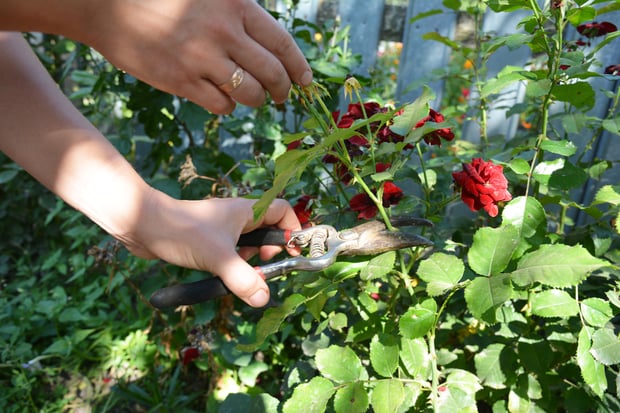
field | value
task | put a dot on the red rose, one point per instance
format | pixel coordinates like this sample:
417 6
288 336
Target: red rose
434 138
302 210
613 70
595 29
189 354
483 185
366 209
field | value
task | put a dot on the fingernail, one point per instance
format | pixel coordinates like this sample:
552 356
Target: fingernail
259 299
306 78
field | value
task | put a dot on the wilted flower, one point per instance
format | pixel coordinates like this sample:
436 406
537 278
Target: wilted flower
482 185
595 29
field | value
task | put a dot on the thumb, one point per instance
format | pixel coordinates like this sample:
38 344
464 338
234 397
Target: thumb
243 281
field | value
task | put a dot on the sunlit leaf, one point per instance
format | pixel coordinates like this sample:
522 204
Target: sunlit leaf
351 398
414 356
596 311
378 266
489 366
592 371
384 354
492 249
556 265
311 397
441 272
418 320
562 147
606 346
387 396
484 294
553 303
339 364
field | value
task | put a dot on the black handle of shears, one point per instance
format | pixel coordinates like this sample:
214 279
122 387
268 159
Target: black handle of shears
211 288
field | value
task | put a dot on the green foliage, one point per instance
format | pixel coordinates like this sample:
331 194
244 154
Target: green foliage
516 312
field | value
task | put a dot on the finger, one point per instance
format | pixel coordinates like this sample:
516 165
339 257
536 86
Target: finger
269 34
243 281
241 86
281 214
204 93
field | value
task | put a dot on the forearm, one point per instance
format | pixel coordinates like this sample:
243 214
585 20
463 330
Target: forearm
42 131
66 17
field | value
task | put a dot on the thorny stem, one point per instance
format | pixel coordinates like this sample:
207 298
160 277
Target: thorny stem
432 350
553 63
482 107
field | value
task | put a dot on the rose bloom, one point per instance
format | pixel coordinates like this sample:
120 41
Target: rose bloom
613 70
303 210
366 209
483 185
595 29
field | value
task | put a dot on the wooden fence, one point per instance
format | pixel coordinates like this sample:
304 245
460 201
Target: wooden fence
372 21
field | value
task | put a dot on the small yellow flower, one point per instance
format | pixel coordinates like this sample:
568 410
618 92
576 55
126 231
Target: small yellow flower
468 64
350 85
318 37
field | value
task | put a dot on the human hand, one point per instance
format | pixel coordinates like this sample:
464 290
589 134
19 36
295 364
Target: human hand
203 235
189 47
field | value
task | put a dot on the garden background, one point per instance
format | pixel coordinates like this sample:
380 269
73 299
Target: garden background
512 105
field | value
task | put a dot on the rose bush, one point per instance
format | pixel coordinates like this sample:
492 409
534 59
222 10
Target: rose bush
513 309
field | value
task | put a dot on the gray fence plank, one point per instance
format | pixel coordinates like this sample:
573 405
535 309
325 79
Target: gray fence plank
420 57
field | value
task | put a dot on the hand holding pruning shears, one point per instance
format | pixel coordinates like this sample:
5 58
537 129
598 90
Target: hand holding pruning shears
324 242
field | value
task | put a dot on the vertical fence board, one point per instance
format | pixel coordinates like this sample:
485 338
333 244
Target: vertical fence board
419 57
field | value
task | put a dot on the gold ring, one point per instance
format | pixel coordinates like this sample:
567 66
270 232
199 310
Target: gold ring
234 82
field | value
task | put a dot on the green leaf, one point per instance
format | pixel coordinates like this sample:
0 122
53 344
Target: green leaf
579 94
441 39
6 176
419 320
538 88
519 166
352 398
379 266
596 312
271 321
384 354
489 366
526 214
592 371
415 357
311 397
459 393
568 176
484 294
578 15
507 76
561 147
609 194
387 396
240 402
339 364
611 125
553 303
249 373
606 346
556 265
543 171
441 272
492 249
413 113
574 122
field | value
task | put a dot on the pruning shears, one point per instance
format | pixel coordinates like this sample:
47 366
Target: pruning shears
324 243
